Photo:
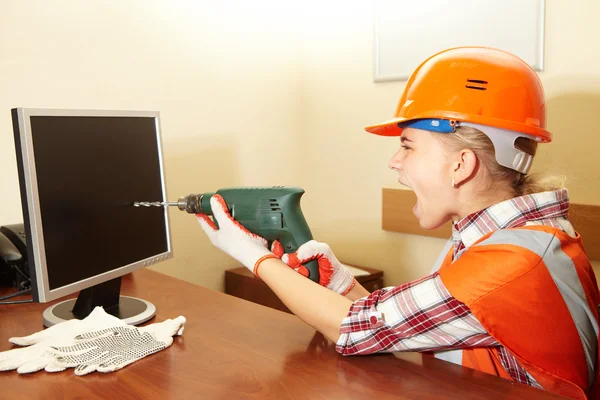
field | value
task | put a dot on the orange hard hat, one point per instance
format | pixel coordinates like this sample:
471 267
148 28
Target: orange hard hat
481 85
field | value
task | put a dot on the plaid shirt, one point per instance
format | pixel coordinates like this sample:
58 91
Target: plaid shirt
423 316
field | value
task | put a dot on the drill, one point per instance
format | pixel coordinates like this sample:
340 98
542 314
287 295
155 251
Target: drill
273 213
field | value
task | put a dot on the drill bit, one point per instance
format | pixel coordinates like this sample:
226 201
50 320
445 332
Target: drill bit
191 203
154 203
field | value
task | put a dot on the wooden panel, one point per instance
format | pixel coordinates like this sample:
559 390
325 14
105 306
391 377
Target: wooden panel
586 221
397 216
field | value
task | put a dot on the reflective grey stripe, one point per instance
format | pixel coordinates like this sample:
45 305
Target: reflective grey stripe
564 274
442 256
453 356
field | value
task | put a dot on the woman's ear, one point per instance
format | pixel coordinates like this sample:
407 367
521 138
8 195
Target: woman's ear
464 166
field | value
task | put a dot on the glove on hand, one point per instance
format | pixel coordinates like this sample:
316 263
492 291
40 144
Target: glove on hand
332 274
36 356
233 238
111 349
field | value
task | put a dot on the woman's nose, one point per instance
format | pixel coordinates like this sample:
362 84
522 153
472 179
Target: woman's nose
396 162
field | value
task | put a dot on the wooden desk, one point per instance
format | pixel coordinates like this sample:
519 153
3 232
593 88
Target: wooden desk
235 349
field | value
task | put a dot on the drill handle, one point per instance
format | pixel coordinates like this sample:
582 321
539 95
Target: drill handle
296 231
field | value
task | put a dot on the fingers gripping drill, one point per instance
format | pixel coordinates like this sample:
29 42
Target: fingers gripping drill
273 213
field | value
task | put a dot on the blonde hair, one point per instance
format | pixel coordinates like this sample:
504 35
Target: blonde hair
466 137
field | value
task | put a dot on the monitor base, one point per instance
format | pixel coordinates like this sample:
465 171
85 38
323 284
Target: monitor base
132 310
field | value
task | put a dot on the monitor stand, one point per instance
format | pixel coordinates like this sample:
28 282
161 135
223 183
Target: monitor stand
131 310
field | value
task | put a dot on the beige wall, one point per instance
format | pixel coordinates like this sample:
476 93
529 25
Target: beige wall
265 92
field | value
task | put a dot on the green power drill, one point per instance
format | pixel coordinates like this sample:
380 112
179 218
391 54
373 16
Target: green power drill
273 213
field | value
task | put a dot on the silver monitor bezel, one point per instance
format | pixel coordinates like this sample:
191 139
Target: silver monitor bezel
36 241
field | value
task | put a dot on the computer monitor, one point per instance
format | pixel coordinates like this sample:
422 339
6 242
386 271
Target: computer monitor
80 172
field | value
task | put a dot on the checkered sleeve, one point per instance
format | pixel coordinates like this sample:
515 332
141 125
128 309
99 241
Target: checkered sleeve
418 316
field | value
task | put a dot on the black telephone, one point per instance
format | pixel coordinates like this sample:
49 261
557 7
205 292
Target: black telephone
14 268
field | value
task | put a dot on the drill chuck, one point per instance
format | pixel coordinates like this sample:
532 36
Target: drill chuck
192 203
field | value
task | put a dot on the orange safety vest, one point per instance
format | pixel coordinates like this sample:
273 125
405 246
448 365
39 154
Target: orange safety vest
533 289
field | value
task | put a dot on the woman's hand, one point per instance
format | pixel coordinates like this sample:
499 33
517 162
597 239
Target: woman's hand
332 274
233 238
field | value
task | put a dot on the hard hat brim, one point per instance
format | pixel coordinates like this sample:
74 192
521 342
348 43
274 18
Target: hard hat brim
387 128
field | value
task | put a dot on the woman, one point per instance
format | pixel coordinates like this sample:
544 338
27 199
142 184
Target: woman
513 293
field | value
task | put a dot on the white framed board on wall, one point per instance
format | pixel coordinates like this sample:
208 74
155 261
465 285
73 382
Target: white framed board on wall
408 31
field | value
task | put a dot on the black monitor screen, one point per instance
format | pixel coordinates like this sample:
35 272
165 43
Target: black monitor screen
89 172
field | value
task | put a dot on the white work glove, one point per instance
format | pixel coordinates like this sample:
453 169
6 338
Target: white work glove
36 356
233 238
111 349
332 274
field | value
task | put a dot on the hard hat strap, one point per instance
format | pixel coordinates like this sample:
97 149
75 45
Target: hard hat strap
504 140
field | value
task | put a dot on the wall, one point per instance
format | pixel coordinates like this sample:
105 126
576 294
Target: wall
222 74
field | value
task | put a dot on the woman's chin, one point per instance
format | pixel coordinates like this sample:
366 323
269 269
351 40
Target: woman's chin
425 225
425 220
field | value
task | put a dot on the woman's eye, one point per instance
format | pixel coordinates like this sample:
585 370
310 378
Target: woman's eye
405 147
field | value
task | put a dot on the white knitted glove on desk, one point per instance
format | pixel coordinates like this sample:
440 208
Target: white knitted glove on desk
36 356
111 349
